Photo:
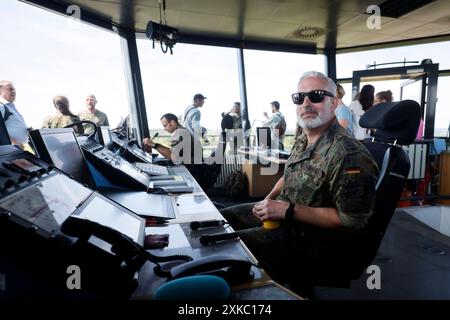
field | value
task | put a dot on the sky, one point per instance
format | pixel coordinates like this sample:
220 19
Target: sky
46 54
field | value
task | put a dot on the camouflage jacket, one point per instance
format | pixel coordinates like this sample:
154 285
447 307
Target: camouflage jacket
98 117
59 121
337 171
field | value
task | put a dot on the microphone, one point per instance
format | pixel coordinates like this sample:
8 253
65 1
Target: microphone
154 136
199 287
208 239
195 225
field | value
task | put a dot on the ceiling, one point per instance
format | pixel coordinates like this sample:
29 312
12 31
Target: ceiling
339 24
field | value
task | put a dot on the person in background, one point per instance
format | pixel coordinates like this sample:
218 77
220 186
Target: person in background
383 96
192 117
91 113
63 117
14 122
277 124
343 113
235 112
231 124
363 101
180 141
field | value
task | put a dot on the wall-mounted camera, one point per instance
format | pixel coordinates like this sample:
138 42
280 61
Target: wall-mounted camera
163 34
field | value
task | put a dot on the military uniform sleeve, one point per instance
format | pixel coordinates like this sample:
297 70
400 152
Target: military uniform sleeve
46 123
353 189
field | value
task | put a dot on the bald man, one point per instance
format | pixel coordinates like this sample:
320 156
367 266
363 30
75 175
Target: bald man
93 114
14 122
63 117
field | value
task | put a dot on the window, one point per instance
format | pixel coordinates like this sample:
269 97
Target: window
349 62
171 81
442 118
274 76
61 56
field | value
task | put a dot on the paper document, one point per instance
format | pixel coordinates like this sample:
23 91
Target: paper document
177 238
194 204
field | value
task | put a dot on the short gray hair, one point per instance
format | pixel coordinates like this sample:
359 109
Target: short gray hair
331 85
5 83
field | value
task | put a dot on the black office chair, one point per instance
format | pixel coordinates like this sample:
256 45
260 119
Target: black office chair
346 255
206 173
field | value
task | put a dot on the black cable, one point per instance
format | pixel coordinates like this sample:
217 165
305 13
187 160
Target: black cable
81 122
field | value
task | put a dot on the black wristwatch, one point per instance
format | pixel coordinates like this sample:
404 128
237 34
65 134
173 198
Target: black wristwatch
289 215
156 145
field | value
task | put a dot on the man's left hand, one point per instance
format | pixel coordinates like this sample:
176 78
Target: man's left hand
269 209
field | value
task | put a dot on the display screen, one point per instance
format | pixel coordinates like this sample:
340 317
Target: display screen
48 203
106 138
264 138
105 213
66 155
133 172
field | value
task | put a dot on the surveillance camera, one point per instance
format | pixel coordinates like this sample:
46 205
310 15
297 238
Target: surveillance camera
162 33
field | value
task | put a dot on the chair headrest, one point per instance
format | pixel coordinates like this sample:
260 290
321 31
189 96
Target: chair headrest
393 121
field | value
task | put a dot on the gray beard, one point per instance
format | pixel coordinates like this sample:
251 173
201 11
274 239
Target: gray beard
321 119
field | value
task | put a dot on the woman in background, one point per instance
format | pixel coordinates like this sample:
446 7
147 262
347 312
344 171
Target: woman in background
343 113
383 96
363 101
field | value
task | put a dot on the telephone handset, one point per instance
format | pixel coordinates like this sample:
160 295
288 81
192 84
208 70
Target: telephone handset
123 246
234 269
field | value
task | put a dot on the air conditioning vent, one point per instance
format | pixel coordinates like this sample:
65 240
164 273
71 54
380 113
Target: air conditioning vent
307 32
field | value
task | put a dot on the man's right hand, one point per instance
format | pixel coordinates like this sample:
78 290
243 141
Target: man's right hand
147 145
265 114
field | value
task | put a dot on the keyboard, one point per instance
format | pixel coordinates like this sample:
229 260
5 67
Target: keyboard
152 169
91 146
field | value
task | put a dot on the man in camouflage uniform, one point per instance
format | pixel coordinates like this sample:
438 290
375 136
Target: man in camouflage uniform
63 117
93 114
328 183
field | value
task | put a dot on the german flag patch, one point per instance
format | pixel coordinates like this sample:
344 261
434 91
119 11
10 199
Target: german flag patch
352 170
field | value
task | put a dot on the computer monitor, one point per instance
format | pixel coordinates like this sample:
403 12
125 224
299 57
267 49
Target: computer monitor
105 138
263 135
60 148
4 136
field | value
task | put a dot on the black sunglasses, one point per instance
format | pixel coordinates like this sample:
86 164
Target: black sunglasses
314 96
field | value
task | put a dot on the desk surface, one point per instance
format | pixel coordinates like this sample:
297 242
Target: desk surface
183 241
188 243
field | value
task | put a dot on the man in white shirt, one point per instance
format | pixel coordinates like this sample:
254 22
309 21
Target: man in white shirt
192 116
14 122
277 123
